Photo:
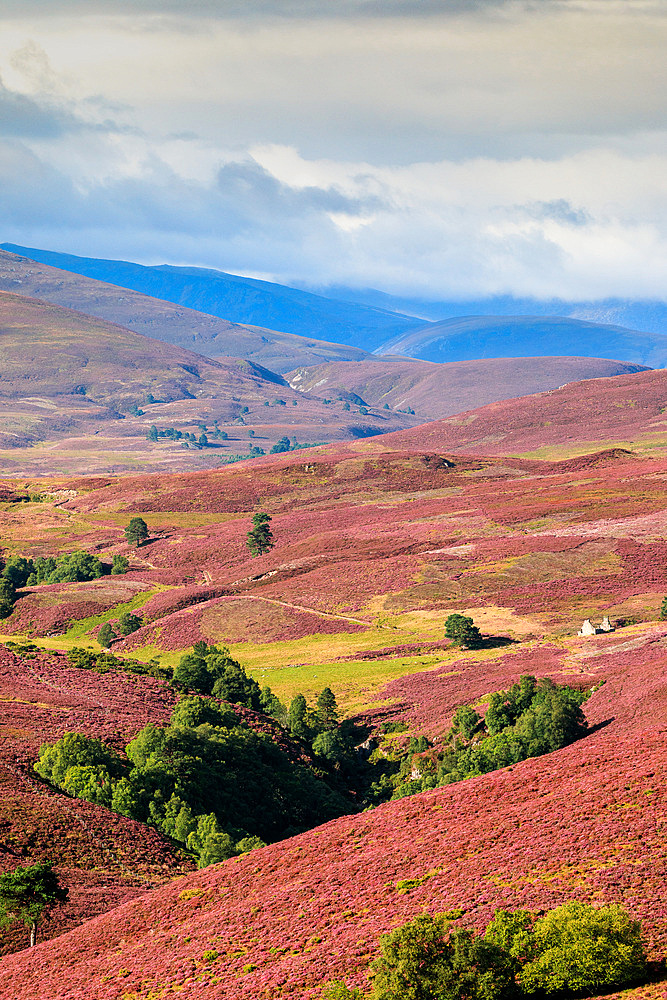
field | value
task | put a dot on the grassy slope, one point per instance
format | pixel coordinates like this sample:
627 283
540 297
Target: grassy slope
441 390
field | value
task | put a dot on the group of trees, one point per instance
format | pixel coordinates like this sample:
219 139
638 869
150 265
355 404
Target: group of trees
211 669
575 948
207 780
71 567
529 719
19 572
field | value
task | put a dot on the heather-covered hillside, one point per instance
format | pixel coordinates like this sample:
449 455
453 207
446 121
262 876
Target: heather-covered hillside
91 391
583 823
576 419
187 328
441 390
377 542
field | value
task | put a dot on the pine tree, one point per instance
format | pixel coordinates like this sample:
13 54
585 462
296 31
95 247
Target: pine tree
296 717
136 531
327 710
260 539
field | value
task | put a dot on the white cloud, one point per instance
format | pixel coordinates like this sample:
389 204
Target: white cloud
505 147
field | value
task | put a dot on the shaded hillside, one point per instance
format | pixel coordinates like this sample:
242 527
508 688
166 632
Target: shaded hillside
154 317
238 299
104 859
584 822
469 337
579 417
434 390
94 389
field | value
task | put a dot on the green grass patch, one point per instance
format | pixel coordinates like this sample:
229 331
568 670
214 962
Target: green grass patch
85 625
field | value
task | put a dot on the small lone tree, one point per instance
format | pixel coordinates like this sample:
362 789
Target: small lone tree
663 609
260 539
136 531
327 710
129 623
463 631
26 893
119 565
106 636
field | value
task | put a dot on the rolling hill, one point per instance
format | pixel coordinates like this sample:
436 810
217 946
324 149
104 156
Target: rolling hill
375 545
238 299
468 337
157 318
649 315
627 411
87 391
440 390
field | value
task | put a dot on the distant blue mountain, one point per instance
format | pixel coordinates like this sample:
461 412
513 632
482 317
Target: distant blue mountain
648 315
240 300
500 327
476 337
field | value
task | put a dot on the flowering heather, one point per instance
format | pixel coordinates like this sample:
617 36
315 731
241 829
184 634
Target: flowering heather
584 822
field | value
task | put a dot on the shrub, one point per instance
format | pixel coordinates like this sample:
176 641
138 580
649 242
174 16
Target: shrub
106 636
426 960
578 947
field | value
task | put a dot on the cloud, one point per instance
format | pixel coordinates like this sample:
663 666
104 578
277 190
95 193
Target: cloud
433 148
21 115
588 226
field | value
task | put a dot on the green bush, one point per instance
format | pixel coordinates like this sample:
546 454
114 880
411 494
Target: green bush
427 960
119 565
74 567
578 947
575 948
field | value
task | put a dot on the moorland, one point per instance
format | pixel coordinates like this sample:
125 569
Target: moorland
182 646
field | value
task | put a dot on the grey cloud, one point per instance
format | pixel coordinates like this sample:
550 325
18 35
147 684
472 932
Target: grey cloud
282 9
249 185
27 117
23 116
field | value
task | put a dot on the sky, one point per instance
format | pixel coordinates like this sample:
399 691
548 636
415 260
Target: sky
431 148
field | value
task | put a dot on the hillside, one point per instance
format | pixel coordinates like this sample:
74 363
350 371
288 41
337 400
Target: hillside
627 410
238 299
105 859
468 337
377 541
87 392
583 823
157 318
441 390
